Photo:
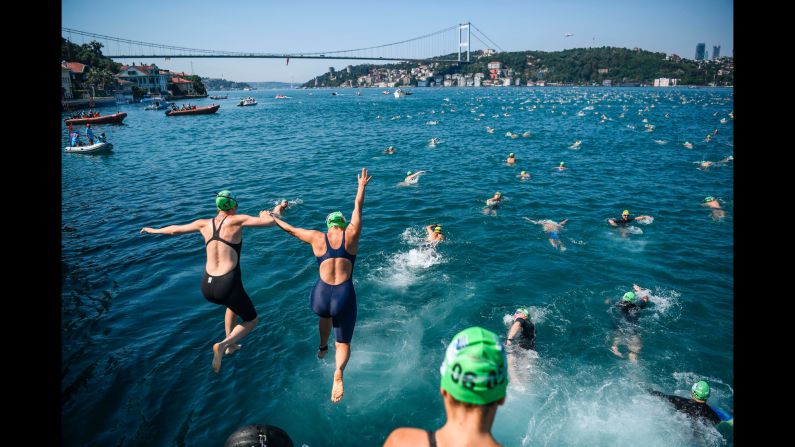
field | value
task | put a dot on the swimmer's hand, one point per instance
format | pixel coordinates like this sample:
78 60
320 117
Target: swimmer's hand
146 230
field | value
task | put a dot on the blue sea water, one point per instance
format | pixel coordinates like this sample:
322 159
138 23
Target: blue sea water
136 333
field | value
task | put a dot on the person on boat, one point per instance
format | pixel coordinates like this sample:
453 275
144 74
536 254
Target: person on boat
89 133
552 230
102 137
696 406
522 331
626 323
333 297
511 159
222 282
473 386
434 233
75 140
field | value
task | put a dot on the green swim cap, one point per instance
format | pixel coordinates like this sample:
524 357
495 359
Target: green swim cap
437 229
523 311
629 296
510 155
473 370
562 163
523 173
336 219
708 199
225 201
408 173
700 390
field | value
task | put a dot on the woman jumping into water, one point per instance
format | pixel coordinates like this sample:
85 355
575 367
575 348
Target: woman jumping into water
333 298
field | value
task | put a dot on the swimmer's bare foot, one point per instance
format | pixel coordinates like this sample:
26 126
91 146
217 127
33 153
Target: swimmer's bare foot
231 349
614 350
218 354
337 389
321 351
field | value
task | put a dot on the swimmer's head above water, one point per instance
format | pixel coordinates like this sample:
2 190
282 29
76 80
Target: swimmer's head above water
625 213
336 219
700 390
522 312
408 173
510 155
474 367
224 200
708 199
629 297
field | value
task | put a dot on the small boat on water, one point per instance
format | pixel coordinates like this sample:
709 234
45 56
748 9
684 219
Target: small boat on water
157 105
220 97
97 148
281 97
399 93
194 111
116 118
247 102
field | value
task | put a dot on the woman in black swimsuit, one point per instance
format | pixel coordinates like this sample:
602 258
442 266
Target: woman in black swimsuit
221 284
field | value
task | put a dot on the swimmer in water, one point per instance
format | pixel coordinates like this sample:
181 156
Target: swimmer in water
412 177
494 201
524 175
626 323
552 229
390 150
511 159
696 406
561 166
714 205
280 207
704 165
625 219
434 233
727 159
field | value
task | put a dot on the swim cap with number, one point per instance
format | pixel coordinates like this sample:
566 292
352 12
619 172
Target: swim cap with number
700 390
473 370
629 296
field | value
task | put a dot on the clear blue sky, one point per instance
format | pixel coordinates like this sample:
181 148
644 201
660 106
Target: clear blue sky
670 26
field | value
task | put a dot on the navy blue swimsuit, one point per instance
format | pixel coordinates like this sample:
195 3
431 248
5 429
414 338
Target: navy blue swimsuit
337 302
227 289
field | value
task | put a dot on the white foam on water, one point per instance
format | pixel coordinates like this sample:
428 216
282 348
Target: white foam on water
405 268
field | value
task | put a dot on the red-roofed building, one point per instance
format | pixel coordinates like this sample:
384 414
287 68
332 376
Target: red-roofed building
182 85
77 71
147 77
66 82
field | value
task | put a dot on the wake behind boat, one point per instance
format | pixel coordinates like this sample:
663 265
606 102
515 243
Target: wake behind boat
206 110
116 118
97 148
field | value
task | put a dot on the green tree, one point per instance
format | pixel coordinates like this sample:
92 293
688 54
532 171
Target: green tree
101 79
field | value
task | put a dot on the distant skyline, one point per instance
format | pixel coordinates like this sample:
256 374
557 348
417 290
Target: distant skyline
675 26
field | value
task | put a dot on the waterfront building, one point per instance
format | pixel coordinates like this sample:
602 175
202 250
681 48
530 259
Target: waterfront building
700 51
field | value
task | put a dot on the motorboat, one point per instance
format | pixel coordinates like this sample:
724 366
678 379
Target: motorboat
249 101
116 118
174 111
220 97
157 105
96 148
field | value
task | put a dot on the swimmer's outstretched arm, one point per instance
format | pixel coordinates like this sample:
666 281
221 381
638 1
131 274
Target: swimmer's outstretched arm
251 221
563 222
307 236
612 222
530 220
358 203
173 230
513 332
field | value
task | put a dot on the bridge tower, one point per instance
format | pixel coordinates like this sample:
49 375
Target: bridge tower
461 42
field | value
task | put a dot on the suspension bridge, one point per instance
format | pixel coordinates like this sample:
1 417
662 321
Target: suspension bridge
452 44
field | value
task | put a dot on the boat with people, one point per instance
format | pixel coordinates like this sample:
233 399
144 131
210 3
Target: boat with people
219 97
193 110
399 93
116 118
96 148
249 101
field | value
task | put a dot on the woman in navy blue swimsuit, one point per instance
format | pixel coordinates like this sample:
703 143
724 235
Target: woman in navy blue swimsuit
333 298
222 284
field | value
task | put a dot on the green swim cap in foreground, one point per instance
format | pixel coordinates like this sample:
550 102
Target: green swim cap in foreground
474 367
225 201
700 390
336 219
629 296
523 311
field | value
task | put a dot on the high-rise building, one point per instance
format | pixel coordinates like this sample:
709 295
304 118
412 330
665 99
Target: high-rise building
715 51
700 51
